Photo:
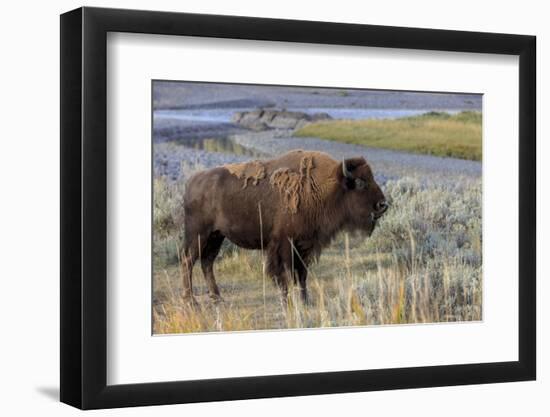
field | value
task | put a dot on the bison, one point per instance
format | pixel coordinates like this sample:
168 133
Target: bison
291 207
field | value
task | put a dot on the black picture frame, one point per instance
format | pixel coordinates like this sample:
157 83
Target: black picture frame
84 207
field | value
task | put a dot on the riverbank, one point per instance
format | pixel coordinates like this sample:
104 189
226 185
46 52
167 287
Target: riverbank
188 141
178 162
435 133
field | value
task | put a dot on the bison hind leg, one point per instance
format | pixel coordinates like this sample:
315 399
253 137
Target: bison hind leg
188 259
208 256
194 244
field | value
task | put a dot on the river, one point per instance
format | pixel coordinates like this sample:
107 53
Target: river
211 129
190 140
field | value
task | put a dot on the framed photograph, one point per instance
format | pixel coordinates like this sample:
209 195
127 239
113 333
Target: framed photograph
257 208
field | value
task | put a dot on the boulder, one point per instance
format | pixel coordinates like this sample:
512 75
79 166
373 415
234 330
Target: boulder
276 119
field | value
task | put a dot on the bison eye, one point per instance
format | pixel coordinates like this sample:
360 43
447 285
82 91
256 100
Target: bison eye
360 184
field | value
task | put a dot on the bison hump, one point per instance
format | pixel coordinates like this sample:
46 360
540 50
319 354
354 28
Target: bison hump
303 179
298 190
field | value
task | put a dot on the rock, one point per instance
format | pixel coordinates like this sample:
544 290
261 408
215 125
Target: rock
320 116
265 119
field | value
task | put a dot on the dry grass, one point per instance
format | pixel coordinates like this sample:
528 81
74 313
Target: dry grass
422 265
434 133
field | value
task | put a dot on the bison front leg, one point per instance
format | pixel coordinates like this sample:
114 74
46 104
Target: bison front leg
279 266
282 284
301 271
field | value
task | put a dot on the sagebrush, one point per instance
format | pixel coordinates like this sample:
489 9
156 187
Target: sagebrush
423 264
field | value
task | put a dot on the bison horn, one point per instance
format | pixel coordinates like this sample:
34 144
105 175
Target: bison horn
345 171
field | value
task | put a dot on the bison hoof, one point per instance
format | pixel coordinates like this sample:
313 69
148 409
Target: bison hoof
216 299
191 302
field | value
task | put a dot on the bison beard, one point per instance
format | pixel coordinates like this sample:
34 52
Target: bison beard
291 207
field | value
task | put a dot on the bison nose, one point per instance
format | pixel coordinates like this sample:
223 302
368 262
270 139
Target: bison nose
381 207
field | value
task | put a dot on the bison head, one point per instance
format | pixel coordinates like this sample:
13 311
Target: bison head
363 198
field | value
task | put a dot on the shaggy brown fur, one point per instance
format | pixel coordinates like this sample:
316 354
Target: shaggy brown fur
289 185
297 204
295 187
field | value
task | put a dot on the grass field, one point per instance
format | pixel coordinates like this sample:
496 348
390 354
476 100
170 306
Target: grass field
434 133
422 265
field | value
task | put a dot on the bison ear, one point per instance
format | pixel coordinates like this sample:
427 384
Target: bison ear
345 170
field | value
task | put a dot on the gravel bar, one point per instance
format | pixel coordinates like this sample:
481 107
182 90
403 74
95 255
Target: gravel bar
387 163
